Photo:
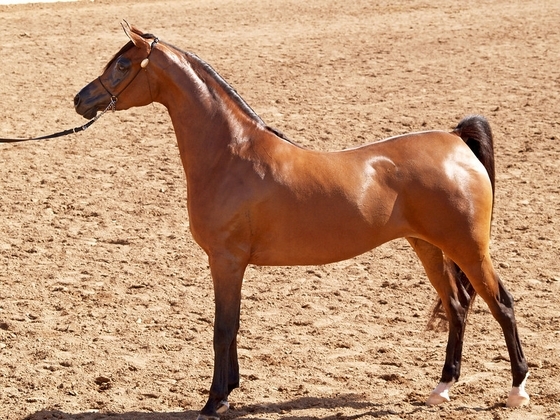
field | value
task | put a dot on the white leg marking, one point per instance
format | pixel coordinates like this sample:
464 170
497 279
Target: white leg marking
223 407
517 396
440 394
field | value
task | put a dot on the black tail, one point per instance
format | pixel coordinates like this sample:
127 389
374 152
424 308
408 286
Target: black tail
476 133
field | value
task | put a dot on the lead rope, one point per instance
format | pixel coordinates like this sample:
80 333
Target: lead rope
111 106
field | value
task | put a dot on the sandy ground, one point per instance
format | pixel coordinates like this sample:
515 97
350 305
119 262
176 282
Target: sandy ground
12 2
106 302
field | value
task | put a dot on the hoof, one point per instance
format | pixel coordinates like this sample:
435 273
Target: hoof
518 400
517 396
435 399
222 407
205 417
440 394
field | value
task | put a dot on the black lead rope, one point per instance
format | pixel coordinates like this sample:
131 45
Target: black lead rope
90 122
65 132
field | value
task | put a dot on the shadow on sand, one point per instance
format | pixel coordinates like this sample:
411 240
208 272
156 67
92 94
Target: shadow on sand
362 410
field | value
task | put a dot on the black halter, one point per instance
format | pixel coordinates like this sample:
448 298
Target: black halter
143 65
111 106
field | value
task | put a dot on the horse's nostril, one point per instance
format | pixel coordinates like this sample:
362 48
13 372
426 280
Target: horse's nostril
77 100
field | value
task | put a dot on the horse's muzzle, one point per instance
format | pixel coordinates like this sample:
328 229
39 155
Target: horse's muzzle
85 105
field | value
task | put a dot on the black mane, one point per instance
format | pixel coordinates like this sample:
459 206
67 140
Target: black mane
228 89
208 69
231 92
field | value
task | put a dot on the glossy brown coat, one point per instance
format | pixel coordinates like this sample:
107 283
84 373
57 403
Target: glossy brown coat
254 197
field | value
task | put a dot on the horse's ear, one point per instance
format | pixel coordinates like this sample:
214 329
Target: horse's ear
133 33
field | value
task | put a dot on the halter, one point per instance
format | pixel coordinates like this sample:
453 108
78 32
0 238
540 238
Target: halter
143 65
111 106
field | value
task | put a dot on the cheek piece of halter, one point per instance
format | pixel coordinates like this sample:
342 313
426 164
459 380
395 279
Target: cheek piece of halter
143 65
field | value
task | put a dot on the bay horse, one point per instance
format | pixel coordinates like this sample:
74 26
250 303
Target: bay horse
254 197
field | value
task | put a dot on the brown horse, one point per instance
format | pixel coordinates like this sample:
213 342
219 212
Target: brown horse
254 197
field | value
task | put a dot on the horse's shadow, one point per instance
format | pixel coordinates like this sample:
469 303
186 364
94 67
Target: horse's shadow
281 410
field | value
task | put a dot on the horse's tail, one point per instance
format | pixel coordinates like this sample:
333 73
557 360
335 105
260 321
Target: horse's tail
476 133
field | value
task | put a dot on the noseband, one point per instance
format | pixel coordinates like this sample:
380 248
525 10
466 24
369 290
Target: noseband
143 65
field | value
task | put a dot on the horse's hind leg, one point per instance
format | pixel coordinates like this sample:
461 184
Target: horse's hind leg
455 300
500 302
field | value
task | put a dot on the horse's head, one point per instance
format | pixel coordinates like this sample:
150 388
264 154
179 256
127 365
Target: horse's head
125 80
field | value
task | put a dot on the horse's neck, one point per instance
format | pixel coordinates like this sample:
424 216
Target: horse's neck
209 125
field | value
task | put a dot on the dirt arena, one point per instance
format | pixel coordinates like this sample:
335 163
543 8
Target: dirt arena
106 304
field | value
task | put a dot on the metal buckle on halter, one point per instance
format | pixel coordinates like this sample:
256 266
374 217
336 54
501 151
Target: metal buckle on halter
113 104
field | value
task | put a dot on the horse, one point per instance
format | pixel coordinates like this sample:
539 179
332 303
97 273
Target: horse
255 197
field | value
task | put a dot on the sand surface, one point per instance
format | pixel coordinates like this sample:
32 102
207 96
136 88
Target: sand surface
106 304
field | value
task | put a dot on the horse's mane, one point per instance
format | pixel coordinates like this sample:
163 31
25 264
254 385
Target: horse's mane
229 90
207 68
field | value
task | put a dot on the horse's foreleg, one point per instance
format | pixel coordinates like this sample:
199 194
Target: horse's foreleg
227 277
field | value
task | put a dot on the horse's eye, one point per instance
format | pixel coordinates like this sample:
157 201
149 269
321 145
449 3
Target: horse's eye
123 65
